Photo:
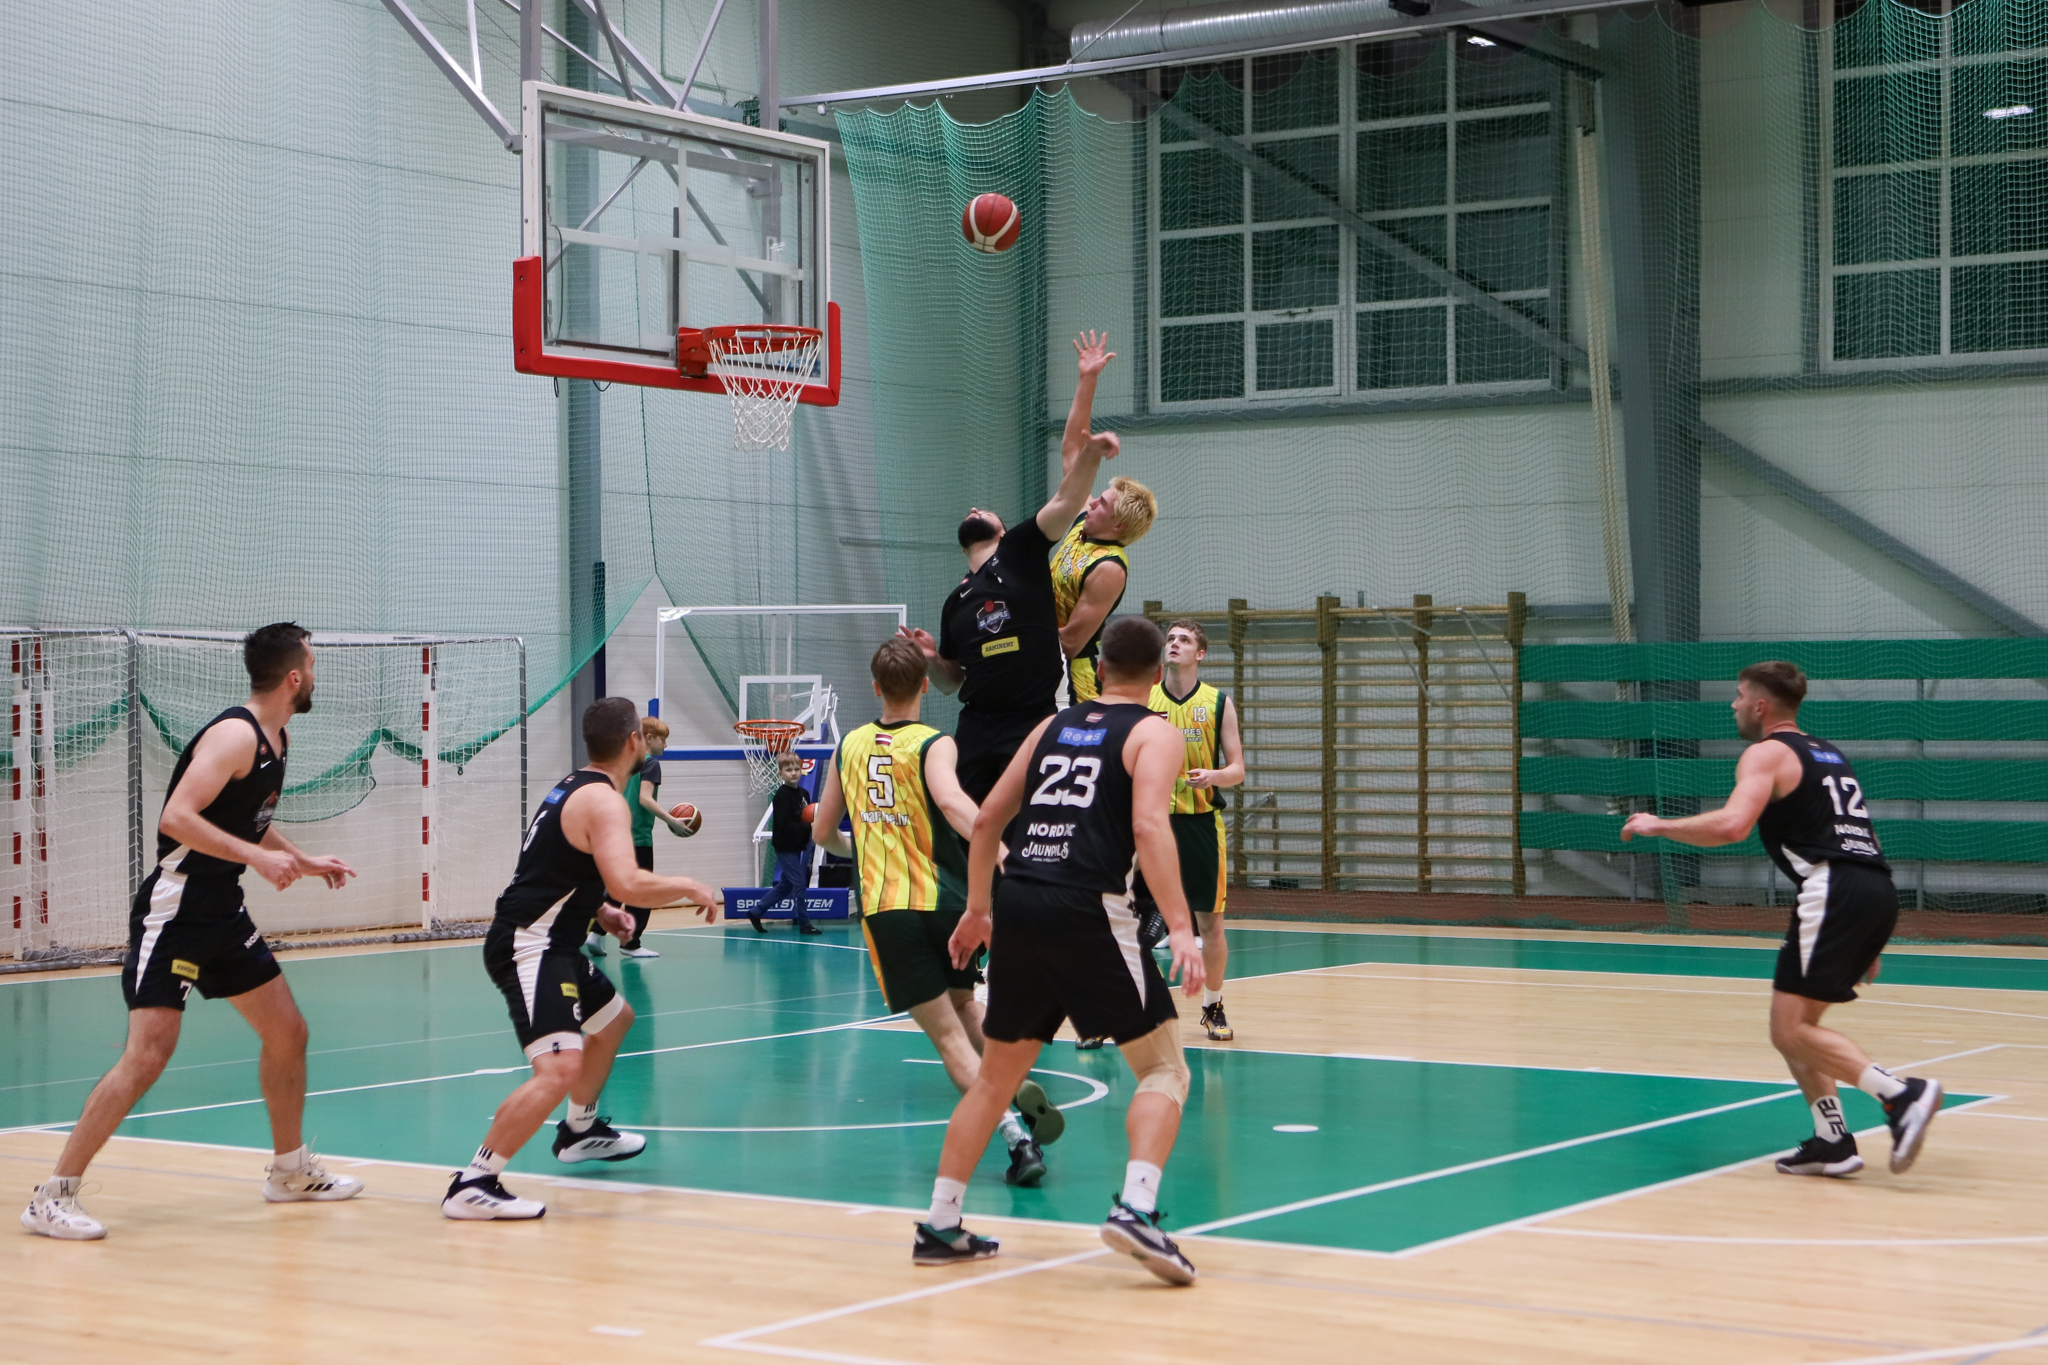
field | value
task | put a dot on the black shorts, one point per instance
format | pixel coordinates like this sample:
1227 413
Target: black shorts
1060 954
183 934
910 956
1842 920
987 741
555 996
1200 841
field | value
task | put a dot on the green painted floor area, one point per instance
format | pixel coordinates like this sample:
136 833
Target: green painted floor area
746 1077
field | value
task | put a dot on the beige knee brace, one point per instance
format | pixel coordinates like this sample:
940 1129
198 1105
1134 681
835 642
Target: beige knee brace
1157 1062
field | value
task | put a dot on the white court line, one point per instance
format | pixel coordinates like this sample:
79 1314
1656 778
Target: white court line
1991 1114
1791 1241
462 1075
1096 1091
2033 1343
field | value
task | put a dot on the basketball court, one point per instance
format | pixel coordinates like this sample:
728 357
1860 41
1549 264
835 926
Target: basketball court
1473 1144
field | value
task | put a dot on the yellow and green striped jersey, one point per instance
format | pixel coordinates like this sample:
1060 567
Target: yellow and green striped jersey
907 855
1073 559
1199 718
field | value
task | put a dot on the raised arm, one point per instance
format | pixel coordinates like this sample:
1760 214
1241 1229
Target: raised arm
1154 753
1767 771
1081 454
831 810
942 780
595 820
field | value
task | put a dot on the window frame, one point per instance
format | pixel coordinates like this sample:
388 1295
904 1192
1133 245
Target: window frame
1343 314
1945 163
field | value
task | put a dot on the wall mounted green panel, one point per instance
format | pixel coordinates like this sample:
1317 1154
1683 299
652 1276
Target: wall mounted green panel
1884 779
1837 720
2002 658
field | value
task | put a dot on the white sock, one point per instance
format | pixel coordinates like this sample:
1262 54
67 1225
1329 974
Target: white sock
1013 1129
946 1197
485 1162
1210 997
1875 1080
1827 1119
62 1186
1141 1186
285 1162
581 1116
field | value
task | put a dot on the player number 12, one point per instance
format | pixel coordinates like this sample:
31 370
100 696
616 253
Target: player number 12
1848 797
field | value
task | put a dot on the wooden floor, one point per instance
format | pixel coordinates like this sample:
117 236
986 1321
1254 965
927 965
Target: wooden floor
1948 1262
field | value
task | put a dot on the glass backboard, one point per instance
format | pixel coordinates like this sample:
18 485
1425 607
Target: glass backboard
637 220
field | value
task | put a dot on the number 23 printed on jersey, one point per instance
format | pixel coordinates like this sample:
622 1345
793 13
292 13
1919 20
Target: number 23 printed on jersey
1068 781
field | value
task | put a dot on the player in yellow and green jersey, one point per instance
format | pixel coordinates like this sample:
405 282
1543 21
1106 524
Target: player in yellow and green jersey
1208 721
1091 566
895 778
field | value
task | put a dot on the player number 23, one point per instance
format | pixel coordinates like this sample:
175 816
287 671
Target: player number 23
1847 795
881 785
1078 773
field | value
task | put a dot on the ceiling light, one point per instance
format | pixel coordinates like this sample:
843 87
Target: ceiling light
2009 111
1478 41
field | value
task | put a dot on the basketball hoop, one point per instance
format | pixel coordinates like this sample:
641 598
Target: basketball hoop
765 742
763 368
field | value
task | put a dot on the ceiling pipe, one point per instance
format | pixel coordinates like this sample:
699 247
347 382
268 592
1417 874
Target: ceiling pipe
1210 26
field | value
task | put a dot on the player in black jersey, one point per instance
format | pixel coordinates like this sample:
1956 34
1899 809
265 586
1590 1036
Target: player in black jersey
999 633
567 1014
1804 800
1082 805
188 928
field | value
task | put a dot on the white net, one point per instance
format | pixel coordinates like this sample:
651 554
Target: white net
763 370
409 767
764 742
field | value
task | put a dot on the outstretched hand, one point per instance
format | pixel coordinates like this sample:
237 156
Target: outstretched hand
333 871
1641 823
922 639
1104 445
1094 351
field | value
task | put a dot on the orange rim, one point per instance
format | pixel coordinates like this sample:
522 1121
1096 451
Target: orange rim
776 736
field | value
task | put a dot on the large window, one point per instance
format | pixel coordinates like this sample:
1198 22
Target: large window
1261 294
1934 213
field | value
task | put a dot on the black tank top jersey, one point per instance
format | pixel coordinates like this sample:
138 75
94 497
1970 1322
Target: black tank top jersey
1074 827
1825 818
555 881
243 808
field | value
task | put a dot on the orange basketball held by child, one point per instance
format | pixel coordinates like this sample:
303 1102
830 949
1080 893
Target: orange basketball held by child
991 223
688 816
810 812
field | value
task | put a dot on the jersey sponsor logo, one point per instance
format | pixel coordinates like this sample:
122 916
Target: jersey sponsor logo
1043 853
250 942
884 817
265 813
993 616
1826 756
569 989
1009 644
1041 829
1074 737
552 797
1192 734
188 970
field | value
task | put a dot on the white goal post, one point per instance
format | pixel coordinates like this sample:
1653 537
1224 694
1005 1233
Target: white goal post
411 765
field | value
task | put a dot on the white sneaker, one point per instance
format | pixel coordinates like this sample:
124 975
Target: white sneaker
594 944
53 1211
638 952
484 1198
310 1181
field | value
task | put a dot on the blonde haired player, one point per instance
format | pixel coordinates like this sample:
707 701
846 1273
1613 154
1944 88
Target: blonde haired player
1091 566
1207 720
895 776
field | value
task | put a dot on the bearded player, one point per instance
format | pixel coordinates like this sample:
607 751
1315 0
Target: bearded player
1804 800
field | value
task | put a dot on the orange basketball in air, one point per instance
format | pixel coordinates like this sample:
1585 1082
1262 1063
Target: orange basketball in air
991 223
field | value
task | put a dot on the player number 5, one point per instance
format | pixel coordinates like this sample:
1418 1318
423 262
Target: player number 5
881 785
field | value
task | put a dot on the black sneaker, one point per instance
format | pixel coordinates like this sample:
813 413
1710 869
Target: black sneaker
1818 1156
1040 1114
599 1142
949 1247
808 928
754 918
1219 1028
1138 1235
1908 1114
1089 1044
1027 1165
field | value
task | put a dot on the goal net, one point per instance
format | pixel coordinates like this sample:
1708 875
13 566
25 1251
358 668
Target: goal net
410 766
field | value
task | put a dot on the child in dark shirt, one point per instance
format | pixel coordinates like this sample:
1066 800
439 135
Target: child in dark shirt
790 834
